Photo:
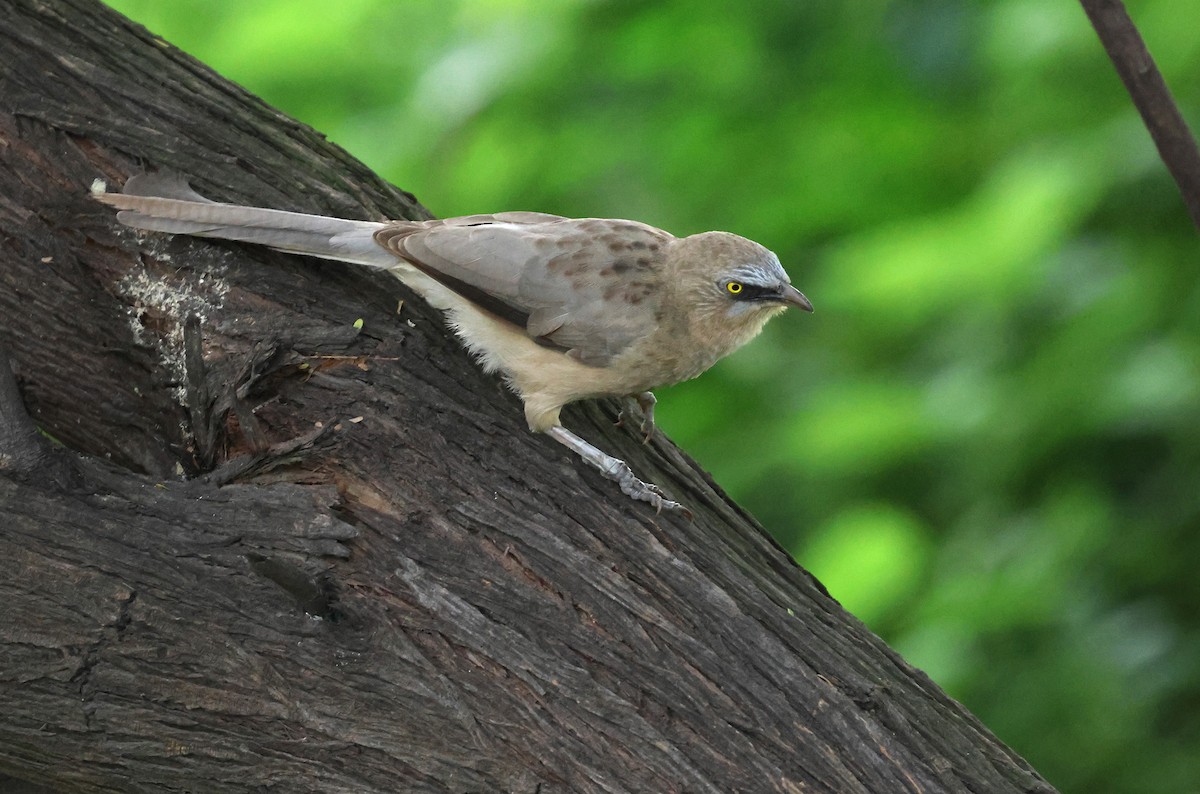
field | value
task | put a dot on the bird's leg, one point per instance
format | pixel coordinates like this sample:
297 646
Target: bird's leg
615 469
646 401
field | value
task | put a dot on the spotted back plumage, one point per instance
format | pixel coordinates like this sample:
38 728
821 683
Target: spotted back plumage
588 286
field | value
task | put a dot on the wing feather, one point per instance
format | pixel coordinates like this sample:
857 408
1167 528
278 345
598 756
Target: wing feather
587 286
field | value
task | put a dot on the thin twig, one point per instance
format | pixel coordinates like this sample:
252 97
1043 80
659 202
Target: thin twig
1150 94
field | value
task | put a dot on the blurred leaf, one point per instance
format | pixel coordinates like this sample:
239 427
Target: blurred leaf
871 558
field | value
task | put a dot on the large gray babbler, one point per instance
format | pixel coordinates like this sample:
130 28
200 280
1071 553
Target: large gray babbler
567 309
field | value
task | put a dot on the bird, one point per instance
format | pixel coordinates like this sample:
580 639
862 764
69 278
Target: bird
566 309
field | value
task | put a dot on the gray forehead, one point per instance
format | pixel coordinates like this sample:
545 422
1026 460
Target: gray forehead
766 271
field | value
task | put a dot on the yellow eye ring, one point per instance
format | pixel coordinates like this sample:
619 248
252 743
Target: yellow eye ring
733 287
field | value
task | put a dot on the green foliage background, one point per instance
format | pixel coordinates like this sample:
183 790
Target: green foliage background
986 441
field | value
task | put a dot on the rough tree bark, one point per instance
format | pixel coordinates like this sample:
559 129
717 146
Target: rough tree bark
270 549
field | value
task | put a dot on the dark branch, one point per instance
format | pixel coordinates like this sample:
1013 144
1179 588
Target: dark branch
1150 94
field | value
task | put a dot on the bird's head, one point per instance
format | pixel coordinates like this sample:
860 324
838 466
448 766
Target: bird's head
732 284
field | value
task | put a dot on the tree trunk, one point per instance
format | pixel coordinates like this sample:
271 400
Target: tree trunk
259 546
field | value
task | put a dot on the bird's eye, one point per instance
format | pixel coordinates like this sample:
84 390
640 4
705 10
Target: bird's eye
734 288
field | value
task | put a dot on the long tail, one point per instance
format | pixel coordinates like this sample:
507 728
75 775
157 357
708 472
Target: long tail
166 203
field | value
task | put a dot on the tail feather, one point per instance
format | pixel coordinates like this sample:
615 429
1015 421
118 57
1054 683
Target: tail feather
168 204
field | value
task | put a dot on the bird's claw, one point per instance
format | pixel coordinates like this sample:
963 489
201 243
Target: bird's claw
618 471
646 402
635 488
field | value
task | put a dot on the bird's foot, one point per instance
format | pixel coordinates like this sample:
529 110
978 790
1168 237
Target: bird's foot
646 401
618 471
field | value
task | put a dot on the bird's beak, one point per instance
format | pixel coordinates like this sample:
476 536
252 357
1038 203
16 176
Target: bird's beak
794 297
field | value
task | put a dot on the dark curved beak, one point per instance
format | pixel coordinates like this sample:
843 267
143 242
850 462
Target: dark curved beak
794 297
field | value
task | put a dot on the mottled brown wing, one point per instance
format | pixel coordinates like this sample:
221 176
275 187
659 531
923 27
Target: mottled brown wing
589 286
